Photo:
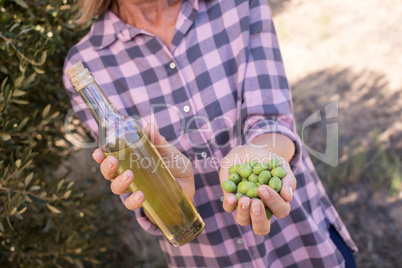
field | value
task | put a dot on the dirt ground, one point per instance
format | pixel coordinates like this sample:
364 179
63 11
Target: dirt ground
350 52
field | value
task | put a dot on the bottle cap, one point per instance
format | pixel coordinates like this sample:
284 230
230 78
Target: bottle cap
75 69
79 76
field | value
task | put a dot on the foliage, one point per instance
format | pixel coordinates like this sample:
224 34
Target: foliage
46 218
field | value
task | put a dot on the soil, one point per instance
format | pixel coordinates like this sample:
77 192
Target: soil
351 52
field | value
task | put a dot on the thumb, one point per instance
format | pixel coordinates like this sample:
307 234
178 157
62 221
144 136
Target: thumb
157 139
172 157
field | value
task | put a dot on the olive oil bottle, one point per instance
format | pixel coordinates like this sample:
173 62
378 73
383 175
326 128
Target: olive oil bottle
121 136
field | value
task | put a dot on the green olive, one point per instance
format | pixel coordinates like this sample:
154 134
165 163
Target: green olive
264 177
244 170
268 212
252 163
275 183
278 172
229 186
274 163
235 178
232 169
244 186
260 168
253 178
238 195
252 192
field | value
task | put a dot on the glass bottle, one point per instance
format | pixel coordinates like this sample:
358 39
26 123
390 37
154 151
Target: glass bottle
121 136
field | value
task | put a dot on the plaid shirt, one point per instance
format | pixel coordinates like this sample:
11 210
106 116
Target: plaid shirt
222 82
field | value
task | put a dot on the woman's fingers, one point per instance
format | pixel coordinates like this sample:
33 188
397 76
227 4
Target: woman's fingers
109 167
243 211
121 183
279 207
135 200
229 202
98 155
288 183
261 224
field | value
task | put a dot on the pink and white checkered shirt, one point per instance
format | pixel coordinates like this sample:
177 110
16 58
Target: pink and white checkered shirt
222 82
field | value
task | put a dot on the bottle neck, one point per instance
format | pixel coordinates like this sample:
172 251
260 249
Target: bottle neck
101 108
114 128
98 104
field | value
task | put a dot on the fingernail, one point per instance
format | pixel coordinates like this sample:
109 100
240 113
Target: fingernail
256 209
264 193
137 196
125 176
290 191
232 200
109 163
245 205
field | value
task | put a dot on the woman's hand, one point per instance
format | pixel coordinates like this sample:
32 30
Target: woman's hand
178 164
252 210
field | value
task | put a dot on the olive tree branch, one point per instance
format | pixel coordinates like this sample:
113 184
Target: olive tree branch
21 55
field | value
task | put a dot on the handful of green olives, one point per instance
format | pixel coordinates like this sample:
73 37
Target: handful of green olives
244 179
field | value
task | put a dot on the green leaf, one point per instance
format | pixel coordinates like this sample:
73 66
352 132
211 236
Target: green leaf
53 209
22 102
5 136
12 212
3 69
18 81
28 179
9 223
54 115
66 194
38 70
21 3
29 80
23 123
18 93
3 83
23 65
34 188
43 57
70 185
22 211
60 184
46 110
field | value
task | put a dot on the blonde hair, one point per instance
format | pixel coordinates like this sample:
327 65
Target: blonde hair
87 9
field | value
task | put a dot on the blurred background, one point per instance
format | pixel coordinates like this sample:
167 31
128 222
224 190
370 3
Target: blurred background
56 210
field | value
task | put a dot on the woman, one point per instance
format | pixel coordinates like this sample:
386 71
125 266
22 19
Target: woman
209 74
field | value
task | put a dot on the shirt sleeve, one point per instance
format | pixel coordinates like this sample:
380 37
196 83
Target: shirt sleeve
266 100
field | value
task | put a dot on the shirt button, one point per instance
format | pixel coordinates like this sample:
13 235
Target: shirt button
204 155
239 241
186 108
172 65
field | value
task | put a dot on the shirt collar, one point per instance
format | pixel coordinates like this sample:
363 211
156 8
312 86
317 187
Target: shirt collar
109 27
194 3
